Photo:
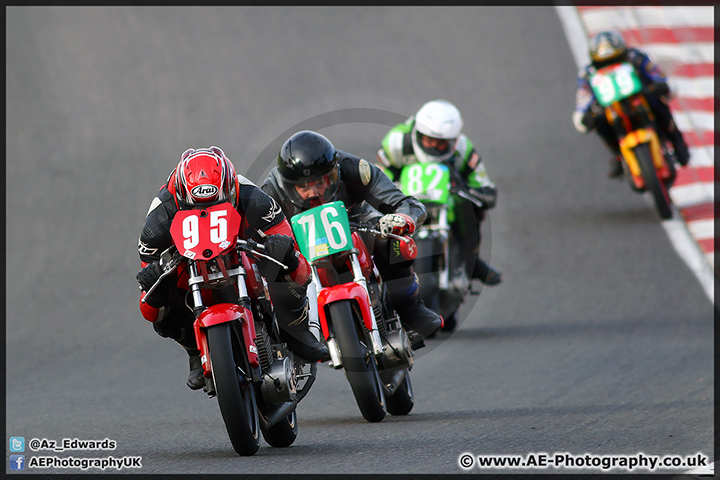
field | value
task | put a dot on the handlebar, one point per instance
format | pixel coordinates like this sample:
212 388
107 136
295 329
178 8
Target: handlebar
366 227
254 248
170 259
469 198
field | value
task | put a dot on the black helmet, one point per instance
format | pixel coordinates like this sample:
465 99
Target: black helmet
304 159
607 48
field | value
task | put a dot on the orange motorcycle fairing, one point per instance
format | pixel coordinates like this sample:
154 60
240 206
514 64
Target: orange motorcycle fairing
632 140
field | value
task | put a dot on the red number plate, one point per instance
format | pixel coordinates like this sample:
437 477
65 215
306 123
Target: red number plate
205 233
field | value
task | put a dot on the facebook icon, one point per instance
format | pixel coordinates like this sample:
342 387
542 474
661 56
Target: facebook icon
17 462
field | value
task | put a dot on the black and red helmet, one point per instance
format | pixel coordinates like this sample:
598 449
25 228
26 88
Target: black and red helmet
204 177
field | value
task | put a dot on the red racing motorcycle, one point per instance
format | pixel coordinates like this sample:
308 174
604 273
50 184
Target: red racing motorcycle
257 380
363 332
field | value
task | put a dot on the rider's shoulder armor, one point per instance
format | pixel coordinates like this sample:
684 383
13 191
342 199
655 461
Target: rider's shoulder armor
397 144
463 149
260 209
648 69
357 175
155 235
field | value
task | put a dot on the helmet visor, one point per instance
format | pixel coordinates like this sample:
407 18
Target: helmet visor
313 191
435 147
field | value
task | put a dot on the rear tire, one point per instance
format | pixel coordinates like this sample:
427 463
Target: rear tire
657 188
283 433
425 266
403 400
450 322
236 397
358 362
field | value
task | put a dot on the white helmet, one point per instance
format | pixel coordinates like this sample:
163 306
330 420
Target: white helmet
439 120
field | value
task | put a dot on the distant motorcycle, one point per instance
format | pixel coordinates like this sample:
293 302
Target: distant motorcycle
445 240
363 332
256 378
648 158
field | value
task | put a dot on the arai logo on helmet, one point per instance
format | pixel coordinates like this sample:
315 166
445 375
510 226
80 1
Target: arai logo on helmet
204 191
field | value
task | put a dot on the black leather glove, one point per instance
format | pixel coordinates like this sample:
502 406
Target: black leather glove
149 275
282 249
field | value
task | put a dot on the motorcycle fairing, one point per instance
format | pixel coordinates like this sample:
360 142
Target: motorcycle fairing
221 313
638 137
346 291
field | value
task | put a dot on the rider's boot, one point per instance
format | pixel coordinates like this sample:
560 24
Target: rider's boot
414 315
294 331
486 273
196 379
184 335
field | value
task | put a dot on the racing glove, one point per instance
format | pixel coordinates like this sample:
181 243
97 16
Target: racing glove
397 223
282 249
148 275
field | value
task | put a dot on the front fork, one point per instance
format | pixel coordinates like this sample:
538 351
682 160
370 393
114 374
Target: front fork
359 278
444 283
239 312
627 146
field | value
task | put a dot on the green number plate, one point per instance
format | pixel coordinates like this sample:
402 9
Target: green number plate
613 83
322 231
428 182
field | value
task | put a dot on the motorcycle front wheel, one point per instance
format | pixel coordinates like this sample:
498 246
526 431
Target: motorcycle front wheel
358 362
235 392
657 188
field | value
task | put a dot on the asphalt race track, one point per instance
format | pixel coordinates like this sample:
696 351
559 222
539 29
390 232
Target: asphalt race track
599 340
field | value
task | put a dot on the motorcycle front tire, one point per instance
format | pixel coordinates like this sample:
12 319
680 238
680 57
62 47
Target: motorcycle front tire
657 188
358 362
236 397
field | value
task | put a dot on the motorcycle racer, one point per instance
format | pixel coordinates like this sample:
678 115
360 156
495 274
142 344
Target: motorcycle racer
311 172
434 134
608 48
205 177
